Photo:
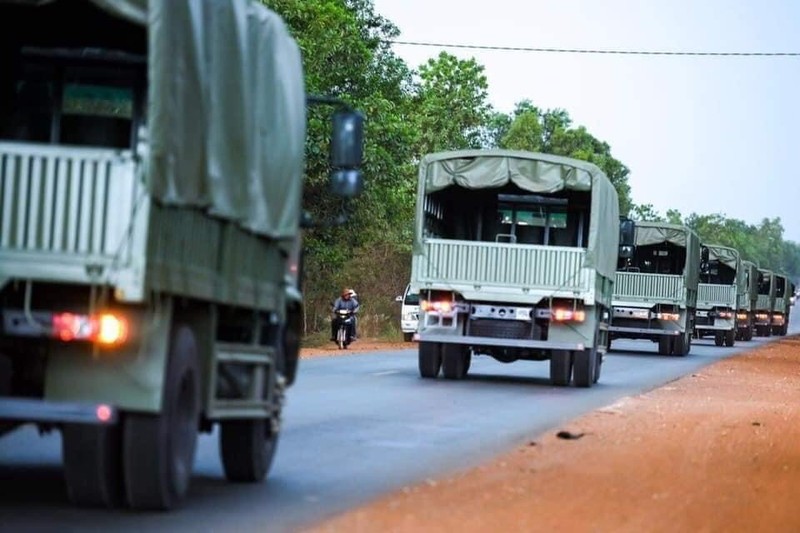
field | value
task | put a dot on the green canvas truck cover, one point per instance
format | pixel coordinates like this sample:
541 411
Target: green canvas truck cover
534 172
730 257
657 232
226 110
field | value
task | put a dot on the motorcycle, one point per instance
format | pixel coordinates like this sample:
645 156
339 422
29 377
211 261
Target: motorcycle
345 320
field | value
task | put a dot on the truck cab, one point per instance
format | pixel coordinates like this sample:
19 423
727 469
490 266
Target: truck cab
409 313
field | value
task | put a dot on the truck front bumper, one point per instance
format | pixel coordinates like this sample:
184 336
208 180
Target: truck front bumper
47 412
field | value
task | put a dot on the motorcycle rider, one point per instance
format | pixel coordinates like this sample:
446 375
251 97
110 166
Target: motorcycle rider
346 301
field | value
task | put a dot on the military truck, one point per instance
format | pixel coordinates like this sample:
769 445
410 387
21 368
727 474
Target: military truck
722 281
746 302
655 290
779 320
513 257
765 303
151 173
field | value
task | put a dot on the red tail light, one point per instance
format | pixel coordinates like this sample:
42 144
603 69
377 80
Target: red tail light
444 307
106 329
568 315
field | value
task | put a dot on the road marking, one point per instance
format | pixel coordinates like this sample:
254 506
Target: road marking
386 373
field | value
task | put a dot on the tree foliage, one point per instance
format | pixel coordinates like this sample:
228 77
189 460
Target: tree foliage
762 243
551 131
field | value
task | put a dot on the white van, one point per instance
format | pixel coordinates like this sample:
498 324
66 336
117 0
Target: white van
409 313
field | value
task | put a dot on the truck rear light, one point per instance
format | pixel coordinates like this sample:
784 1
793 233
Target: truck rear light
725 314
104 413
568 315
741 316
106 329
444 307
668 316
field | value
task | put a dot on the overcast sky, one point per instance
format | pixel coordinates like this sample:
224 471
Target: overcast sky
699 134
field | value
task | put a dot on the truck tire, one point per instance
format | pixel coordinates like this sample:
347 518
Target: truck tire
583 367
158 450
247 448
560 367
430 359
730 338
598 367
665 345
92 464
408 337
719 338
681 344
455 361
291 355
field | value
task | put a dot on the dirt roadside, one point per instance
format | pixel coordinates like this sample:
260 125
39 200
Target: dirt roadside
718 450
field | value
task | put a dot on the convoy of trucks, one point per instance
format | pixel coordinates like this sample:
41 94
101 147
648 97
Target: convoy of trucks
514 257
151 174
655 289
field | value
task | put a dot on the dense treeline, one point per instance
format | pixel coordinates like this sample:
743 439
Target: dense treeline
440 105
762 243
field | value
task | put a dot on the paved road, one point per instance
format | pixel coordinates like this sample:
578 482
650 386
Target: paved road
355 428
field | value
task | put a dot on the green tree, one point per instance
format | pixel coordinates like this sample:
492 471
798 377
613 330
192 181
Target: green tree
552 132
451 102
645 212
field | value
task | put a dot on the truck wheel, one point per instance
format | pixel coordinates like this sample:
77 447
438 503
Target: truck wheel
92 466
680 344
158 450
665 345
719 338
730 338
560 367
598 367
291 357
430 359
408 337
583 369
454 361
247 448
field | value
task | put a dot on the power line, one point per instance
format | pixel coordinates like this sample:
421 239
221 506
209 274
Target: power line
591 51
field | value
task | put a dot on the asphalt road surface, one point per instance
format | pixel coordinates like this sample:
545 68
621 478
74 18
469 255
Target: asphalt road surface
355 427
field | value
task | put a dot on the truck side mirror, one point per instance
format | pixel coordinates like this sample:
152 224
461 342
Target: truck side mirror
347 149
627 229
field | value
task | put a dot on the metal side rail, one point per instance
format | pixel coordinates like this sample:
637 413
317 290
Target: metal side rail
43 411
621 329
491 341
